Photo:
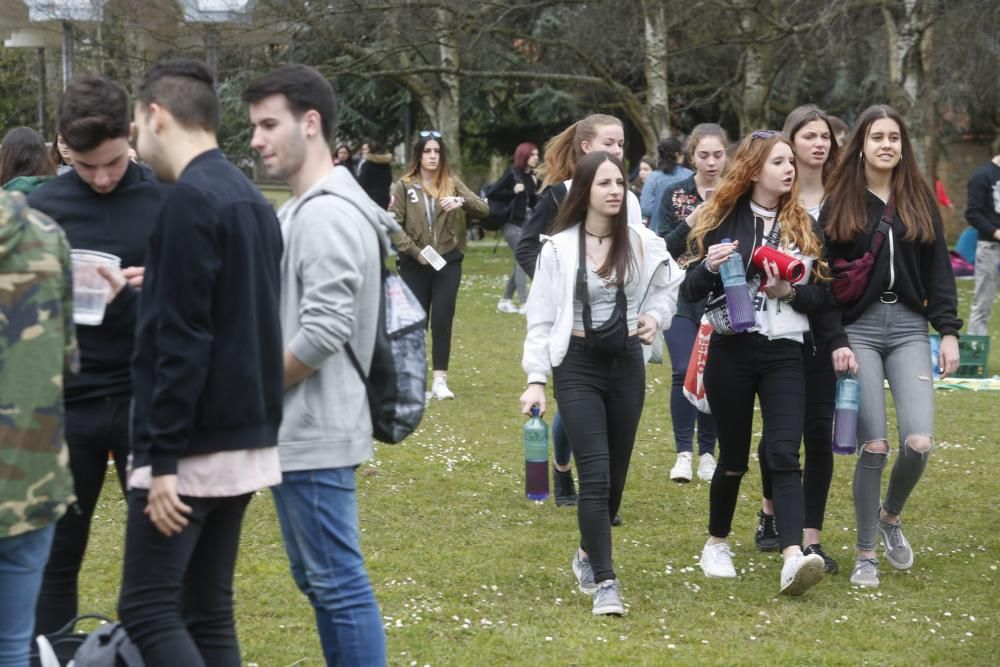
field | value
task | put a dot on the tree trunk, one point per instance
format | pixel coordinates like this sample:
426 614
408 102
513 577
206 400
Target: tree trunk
758 75
655 61
908 24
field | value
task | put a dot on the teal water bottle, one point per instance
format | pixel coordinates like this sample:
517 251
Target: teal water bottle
738 301
536 457
845 416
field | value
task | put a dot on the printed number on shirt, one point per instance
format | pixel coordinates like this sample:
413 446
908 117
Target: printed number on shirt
413 196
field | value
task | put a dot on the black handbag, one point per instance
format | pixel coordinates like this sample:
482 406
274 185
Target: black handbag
611 337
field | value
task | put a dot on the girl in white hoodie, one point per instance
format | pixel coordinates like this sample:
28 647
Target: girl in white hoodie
602 290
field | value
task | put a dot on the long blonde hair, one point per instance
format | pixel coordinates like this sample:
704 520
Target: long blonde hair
796 225
563 150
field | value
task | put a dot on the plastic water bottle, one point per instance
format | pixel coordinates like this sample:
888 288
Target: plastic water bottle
536 457
845 417
738 301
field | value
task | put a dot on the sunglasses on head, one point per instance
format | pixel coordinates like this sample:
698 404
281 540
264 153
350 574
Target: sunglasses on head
763 134
430 134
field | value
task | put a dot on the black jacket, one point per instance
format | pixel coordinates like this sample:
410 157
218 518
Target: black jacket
207 372
675 205
812 299
982 210
375 177
923 279
523 202
118 223
542 217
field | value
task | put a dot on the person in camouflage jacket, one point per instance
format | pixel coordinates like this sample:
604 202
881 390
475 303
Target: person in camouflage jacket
37 343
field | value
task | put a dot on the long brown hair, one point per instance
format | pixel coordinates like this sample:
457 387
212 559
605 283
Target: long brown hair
807 113
846 194
620 263
23 153
752 153
563 151
444 183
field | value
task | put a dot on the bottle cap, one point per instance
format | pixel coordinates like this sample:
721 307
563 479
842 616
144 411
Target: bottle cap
534 411
727 240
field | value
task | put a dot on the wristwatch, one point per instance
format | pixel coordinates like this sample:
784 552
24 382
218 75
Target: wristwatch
788 298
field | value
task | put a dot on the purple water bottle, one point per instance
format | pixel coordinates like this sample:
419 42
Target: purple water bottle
845 417
536 457
738 301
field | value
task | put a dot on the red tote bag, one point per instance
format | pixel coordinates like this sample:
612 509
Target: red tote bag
694 380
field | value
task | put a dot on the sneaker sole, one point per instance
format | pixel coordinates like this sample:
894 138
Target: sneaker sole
706 478
865 584
680 479
808 576
565 501
716 576
586 590
610 610
768 547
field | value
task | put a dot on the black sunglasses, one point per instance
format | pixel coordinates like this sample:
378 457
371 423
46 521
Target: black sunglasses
430 134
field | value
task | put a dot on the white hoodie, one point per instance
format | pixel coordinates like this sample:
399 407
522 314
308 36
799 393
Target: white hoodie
550 301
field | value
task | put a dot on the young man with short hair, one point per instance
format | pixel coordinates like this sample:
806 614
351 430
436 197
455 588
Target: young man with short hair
108 204
983 212
331 288
37 346
207 375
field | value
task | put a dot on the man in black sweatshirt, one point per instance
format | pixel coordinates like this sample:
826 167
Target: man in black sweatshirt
207 373
105 203
983 213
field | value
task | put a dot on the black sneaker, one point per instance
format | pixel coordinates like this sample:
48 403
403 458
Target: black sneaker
829 564
766 537
562 485
617 520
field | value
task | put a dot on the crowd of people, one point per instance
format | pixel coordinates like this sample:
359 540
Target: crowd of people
219 368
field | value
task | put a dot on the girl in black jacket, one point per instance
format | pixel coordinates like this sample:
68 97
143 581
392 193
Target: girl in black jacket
518 185
758 200
910 284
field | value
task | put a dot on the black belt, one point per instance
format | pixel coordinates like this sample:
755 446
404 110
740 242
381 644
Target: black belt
888 297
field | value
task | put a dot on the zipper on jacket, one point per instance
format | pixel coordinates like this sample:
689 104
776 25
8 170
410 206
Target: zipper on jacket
430 218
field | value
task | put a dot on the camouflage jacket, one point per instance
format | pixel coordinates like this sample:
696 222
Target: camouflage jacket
37 343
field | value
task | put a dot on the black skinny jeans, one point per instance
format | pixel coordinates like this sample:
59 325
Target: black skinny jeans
93 428
177 592
600 401
437 292
817 472
739 368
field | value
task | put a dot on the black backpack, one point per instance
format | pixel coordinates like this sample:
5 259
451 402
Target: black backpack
397 378
501 211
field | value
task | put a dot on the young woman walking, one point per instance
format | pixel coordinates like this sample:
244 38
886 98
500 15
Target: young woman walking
706 150
668 173
910 284
595 132
602 289
816 152
757 204
431 204
518 185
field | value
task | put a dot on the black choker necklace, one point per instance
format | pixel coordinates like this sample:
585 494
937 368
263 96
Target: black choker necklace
600 239
762 207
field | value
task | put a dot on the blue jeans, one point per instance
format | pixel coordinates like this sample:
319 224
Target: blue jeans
318 511
22 561
680 339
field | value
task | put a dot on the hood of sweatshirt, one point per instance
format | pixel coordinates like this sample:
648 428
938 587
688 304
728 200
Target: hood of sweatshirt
340 183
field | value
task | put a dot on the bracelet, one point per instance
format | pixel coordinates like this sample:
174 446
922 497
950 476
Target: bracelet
788 298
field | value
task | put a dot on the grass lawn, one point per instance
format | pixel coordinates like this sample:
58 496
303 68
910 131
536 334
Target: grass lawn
468 572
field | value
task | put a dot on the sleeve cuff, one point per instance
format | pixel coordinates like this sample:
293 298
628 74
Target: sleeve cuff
537 377
306 352
163 464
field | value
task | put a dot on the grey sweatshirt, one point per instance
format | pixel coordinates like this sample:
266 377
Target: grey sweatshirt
330 290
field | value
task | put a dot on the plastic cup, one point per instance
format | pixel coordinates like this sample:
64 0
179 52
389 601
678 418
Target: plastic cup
90 288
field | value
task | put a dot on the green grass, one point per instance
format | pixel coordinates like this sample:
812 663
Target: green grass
468 572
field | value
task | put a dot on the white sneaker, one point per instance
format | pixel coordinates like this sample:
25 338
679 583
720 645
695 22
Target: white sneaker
506 306
440 391
681 472
717 561
706 467
800 573
523 310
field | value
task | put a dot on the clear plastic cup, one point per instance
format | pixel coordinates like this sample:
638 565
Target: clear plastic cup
90 288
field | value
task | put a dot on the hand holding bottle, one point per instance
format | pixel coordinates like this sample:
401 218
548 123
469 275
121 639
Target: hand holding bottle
532 396
719 253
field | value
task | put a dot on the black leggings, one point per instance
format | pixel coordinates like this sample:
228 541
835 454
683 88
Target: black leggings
93 428
437 292
817 472
600 402
739 368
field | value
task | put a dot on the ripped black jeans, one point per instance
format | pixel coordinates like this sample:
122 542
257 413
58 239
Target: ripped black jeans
741 368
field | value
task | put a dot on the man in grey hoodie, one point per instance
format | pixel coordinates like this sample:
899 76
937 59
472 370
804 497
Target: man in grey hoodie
331 282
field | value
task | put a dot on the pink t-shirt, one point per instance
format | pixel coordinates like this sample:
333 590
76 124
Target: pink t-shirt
219 474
